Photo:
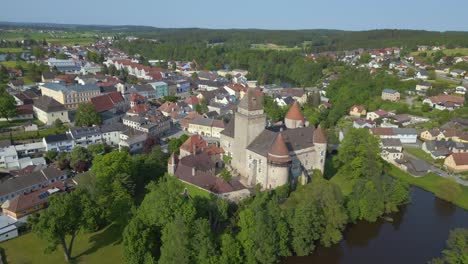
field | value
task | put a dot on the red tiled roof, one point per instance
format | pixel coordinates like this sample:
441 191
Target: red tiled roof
139 109
295 113
169 107
444 99
135 97
279 151
460 159
106 102
192 100
218 123
24 109
195 141
382 131
360 108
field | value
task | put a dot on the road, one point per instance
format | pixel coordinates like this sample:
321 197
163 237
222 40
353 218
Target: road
439 171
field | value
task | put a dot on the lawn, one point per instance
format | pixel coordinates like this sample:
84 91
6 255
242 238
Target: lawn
5 124
271 46
13 64
15 135
195 191
10 50
103 247
419 153
430 183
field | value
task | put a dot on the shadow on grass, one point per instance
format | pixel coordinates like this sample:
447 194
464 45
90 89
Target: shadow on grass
111 235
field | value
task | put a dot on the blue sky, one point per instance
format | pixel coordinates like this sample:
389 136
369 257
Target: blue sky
440 15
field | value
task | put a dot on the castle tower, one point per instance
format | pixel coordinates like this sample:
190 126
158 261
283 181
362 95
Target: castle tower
250 121
320 144
172 164
279 162
294 118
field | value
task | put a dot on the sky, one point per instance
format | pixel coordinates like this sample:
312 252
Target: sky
438 15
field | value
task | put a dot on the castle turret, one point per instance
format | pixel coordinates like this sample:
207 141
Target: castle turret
294 118
320 144
172 164
279 162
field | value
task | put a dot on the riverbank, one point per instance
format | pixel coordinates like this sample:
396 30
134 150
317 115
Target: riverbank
430 182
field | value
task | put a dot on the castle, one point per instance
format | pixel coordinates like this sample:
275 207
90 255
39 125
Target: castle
275 155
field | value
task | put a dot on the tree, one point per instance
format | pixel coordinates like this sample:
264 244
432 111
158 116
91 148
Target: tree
448 190
58 124
225 175
457 248
175 143
38 52
365 57
67 214
432 75
202 244
50 155
231 251
139 243
86 115
175 239
410 72
80 154
7 106
306 225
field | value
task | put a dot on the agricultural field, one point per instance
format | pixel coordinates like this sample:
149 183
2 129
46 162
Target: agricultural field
271 46
449 52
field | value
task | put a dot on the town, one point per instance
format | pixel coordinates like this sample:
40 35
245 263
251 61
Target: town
102 124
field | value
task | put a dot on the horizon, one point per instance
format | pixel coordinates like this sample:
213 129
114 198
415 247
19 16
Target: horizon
299 15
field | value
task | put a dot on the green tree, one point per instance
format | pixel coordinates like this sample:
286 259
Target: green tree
58 124
175 143
139 243
432 75
365 201
457 248
50 155
410 72
175 239
80 154
365 58
86 115
231 251
203 249
60 223
7 106
306 225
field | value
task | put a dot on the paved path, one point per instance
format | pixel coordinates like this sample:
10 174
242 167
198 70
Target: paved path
439 171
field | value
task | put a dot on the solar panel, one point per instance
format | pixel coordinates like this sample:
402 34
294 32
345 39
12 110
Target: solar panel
43 195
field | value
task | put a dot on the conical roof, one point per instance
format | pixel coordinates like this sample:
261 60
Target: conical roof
319 136
295 112
278 151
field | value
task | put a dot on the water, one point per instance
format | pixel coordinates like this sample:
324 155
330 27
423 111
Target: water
417 234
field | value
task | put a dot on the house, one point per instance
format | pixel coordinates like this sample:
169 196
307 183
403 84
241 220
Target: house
379 114
70 95
456 135
85 136
60 142
23 205
457 73
357 111
206 127
430 134
415 167
23 112
110 106
132 139
48 110
284 101
8 229
67 66
111 133
390 95
405 135
441 149
16 84
445 102
422 75
161 89
457 162
392 149
39 178
152 121
461 89
423 87
363 123
47 77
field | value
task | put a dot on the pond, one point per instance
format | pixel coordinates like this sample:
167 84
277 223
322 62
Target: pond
417 234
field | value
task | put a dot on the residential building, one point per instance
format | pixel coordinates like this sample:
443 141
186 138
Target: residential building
461 89
390 95
392 149
8 229
132 139
72 95
48 110
161 89
445 102
405 135
206 127
379 114
457 162
60 142
357 111
111 106
39 178
85 136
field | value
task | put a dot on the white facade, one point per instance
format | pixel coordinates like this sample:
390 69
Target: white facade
49 118
8 229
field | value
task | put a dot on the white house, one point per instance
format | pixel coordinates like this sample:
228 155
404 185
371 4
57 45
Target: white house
8 229
47 110
461 89
61 142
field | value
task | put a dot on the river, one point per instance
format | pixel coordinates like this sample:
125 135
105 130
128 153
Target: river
417 234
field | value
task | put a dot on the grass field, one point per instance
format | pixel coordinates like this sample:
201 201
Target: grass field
13 64
32 134
103 247
419 153
10 50
194 191
345 184
430 183
66 38
271 46
448 52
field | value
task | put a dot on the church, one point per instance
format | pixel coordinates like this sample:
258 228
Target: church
271 156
